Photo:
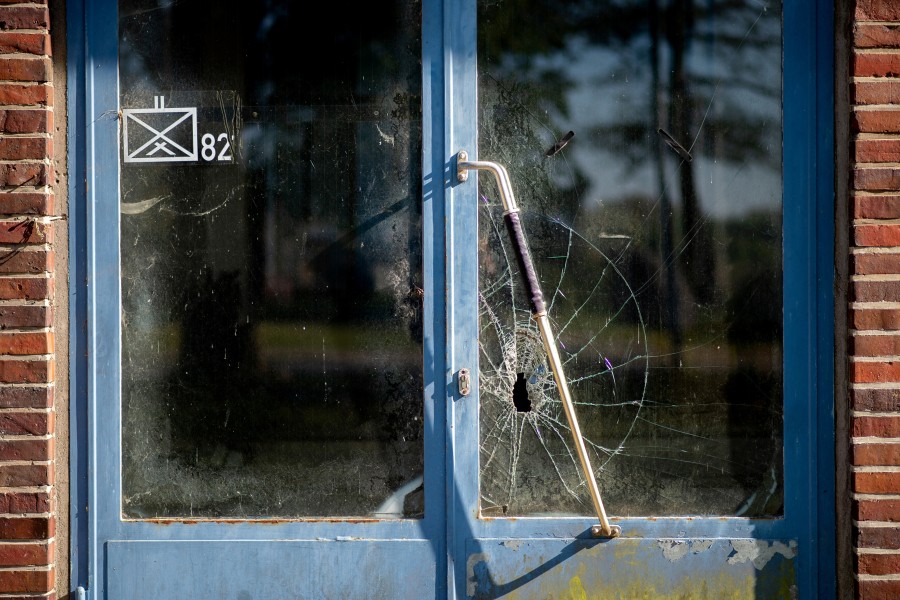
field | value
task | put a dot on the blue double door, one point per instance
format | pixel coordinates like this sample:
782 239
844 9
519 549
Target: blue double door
311 365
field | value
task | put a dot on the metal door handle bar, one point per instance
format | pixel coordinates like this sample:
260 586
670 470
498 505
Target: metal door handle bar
539 313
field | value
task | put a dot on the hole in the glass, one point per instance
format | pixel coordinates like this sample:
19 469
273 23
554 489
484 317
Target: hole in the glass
520 394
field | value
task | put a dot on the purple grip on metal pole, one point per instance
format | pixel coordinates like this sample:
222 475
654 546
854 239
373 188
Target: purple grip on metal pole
520 245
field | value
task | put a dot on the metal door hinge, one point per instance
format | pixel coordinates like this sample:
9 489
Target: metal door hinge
465 382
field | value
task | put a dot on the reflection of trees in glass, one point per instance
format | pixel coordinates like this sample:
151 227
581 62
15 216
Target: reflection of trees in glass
707 73
697 237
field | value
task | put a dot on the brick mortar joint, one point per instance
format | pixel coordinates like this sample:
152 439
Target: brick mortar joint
25 29
41 541
878 222
867 50
37 135
24 55
45 160
864 524
877 277
854 359
867 250
868 577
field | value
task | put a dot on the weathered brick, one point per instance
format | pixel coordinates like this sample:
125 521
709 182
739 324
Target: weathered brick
18 396
20 555
876 291
25 475
27 231
27 528
868 345
26 581
29 371
878 537
26 95
24 17
23 343
884 589
876 35
26 288
18 148
875 150
35 174
876 483
25 69
23 120
876 64
881 455
876 400
876 319
25 316
866 207
12 42
26 203
26 423
876 510
878 564
876 121
885 91
874 426
860 372
871 235
23 503
880 263
27 449
886 179
877 10
22 260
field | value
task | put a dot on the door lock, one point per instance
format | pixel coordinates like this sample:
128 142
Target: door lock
464 381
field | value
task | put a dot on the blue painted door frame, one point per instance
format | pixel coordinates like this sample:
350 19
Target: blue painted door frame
452 552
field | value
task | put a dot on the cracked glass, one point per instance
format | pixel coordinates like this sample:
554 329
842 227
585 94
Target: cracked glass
271 259
643 140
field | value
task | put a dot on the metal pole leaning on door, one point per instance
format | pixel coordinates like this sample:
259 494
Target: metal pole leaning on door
539 313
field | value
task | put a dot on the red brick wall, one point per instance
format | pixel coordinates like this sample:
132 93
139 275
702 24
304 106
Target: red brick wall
27 515
875 297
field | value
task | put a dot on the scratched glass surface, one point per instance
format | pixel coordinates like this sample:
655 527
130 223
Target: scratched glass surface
643 140
271 261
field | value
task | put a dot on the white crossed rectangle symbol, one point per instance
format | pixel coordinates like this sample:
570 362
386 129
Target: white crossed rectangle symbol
161 147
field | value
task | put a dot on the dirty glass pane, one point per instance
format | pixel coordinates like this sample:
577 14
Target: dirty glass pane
643 138
271 258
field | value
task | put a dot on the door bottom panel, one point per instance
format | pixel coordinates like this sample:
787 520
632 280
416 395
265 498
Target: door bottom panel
245 570
630 568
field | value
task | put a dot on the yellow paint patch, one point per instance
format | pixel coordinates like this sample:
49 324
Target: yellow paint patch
576 590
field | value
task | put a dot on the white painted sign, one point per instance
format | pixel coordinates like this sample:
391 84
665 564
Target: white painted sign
160 134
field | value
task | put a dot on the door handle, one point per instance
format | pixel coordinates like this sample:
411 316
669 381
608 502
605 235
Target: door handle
539 314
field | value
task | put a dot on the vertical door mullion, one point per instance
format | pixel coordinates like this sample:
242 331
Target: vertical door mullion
462 284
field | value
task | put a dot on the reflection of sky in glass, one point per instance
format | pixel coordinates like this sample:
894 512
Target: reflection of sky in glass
609 85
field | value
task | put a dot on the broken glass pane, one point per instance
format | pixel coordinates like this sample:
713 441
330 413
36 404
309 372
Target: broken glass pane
643 139
271 258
